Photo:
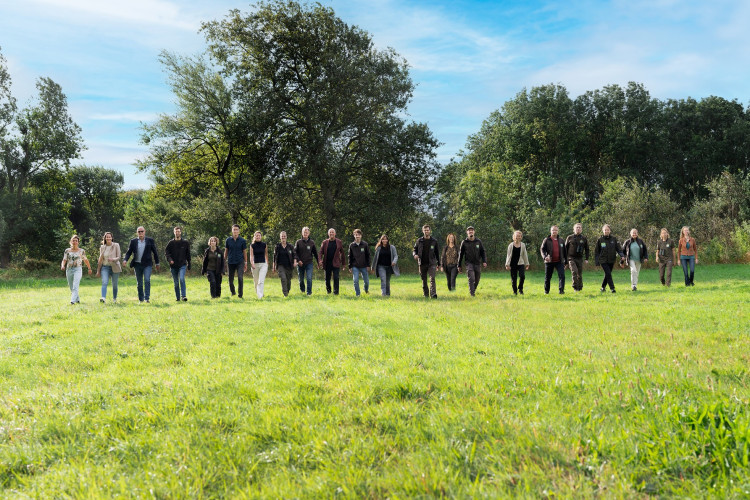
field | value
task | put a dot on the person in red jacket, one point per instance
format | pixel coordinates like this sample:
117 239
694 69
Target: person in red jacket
332 259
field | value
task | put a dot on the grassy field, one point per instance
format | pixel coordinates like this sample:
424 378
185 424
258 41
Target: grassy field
636 394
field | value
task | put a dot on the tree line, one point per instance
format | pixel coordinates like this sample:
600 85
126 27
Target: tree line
293 118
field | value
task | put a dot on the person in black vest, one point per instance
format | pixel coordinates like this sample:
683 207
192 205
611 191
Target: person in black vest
284 260
555 257
605 255
427 255
473 250
177 253
577 248
142 248
213 266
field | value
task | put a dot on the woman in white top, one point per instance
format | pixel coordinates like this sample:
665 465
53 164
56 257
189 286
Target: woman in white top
109 265
72 264
517 262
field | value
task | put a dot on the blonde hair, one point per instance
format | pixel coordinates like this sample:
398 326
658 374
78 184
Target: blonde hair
448 239
517 231
664 230
213 238
74 237
682 231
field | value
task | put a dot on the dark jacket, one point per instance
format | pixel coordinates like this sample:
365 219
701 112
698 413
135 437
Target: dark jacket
473 250
147 252
626 249
359 255
178 251
219 261
577 246
305 251
434 250
607 250
546 249
289 251
338 257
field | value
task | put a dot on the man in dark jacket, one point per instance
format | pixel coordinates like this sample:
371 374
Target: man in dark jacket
635 253
427 255
359 261
331 259
605 255
142 248
473 250
177 253
555 257
307 255
577 248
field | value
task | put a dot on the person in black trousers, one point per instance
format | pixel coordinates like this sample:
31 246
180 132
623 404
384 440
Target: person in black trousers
555 257
213 266
605 254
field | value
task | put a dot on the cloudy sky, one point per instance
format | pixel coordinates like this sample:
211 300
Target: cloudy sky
467 56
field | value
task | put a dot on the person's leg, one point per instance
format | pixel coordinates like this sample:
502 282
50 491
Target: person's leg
240 280
548 269
183 285
610 278
454 275
262 279
328 272
256 277
388 277
106 271
514 278
607 276
366 277
560 276
668 273
69 275
115 279
301 275
382 274
284 278
77 274
471 278
355 277
232 269
147 282
662 270
575 273
218 278
309 277
139 280
685 271
691 260
336 271
423 274
211 277
175 272
448 277
634 273
522 278
477 276
433 288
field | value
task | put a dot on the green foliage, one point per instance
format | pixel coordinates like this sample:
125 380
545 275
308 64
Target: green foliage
96 205
635 395
30 264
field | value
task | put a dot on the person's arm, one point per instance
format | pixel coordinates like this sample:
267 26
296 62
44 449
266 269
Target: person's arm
127 254
543 249
64 261
367 256
645 252
100 260
415 250
461 252
586 249
343 257
351 257
168 252
244 256
525 255
596 252
85 259
696 250
483 254
226 254
155 252
437 253
314 251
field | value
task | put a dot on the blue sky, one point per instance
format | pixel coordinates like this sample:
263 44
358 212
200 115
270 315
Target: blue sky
468 57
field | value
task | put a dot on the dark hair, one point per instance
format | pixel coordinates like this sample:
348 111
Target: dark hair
235 225
380 241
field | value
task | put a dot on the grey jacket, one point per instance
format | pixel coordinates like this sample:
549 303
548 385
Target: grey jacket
394 259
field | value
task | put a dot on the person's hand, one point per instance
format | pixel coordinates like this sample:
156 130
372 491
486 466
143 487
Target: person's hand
459 269
585 262
350 271
90 271
484 264
171 263
98 274
507 268
442 269
548 259
252 265
157 268
244 268
645 260
415 256
62 268
527 268
696 259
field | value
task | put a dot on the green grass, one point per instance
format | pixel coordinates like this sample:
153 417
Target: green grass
628 395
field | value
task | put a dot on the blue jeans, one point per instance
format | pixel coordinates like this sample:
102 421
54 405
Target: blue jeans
356 271
74 275
106 275
688 268
143 276
305 271
385 281
178 276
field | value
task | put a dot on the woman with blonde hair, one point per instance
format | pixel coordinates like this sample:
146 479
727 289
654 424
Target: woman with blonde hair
450 261
517 262
665 257
688 252
108 266
72 263
259 262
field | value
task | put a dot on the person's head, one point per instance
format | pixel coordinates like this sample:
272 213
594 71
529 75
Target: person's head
213 242
426 230
177 232
331 234
282 236
305 232
554 231
383 241
685 232
634 233
74 240
470 232
141 231
664 234
257 236
107 238
577 228
357 235
517 236
450 240
606 229
235 230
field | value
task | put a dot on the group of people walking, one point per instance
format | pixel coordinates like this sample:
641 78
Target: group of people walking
573 253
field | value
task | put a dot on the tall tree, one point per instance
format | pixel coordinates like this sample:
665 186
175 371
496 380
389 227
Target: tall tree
338 103
96 205
40 137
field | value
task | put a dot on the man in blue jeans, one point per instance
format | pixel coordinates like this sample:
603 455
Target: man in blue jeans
142 248
305 251
177 253
235 259
359 261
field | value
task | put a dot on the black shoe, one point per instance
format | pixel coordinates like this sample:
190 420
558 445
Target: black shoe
562 292
148 301
546 293
613 291
178 300
634 288
520 291
434 296
184 299
603 290
233 294
101 300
